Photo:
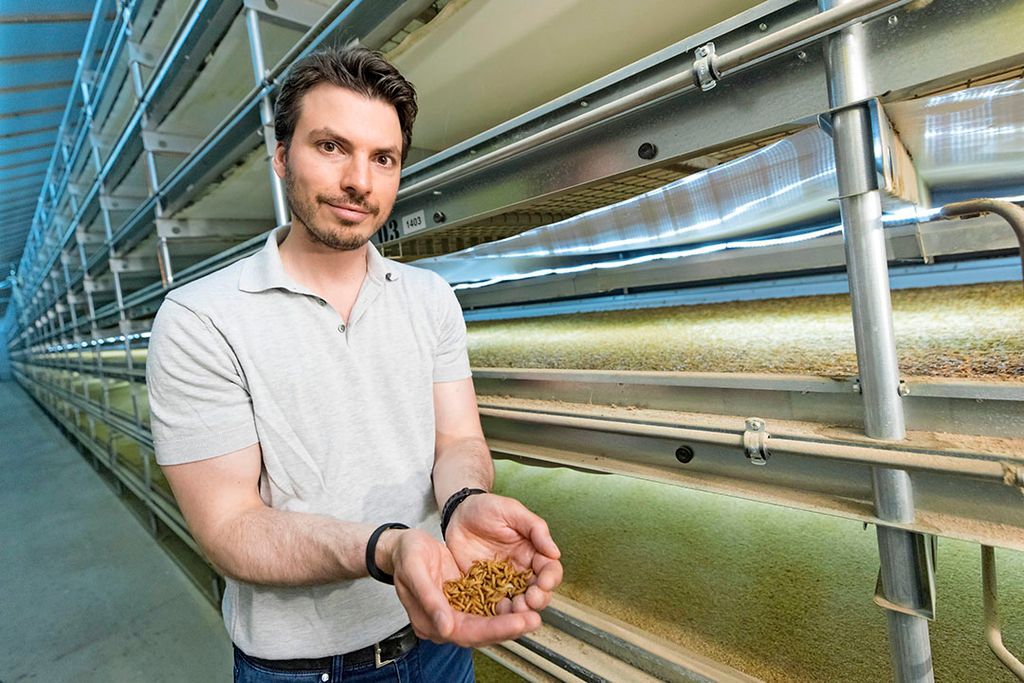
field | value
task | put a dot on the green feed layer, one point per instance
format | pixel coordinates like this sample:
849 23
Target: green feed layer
780 594
974 331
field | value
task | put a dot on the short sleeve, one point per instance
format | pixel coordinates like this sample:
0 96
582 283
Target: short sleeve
451 359
198 402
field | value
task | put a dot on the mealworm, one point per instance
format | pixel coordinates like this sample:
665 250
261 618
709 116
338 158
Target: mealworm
487 583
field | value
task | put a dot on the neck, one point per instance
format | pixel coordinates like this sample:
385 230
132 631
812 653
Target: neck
319 267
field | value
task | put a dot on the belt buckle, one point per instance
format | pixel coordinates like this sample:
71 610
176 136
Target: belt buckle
378 662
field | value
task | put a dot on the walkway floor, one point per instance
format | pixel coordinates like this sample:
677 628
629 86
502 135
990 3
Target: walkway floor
85 593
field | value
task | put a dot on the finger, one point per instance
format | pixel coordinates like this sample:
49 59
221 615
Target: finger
531 526
504 606
548 573
540 536
431 600
421 622
536 599
519 604
472 630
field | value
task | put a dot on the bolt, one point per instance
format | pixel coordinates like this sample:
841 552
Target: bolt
439 217
802 56
762 27
584 103
684 454
903 389
647 151
893 20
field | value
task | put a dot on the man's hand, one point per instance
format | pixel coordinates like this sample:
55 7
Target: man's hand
488 526
421 565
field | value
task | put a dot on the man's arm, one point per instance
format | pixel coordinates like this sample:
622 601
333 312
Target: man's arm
486 526
249 541
461 456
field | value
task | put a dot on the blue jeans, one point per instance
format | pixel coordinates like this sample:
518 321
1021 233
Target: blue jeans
427 662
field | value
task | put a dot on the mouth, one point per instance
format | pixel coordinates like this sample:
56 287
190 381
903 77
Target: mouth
349 213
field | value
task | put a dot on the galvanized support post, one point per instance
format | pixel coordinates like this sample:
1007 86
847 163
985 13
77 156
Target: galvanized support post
252 22
108 230
133 386
152 176
900 552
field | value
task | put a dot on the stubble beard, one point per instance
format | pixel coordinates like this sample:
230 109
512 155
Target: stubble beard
345 238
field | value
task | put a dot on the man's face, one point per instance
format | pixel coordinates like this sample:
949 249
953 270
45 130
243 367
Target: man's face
343 166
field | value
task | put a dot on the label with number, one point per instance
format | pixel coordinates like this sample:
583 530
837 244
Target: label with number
413 222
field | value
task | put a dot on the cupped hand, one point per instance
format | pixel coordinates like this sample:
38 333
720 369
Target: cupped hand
421 565
488 526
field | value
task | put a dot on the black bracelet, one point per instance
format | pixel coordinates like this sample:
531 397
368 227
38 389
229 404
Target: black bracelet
453 502
371 553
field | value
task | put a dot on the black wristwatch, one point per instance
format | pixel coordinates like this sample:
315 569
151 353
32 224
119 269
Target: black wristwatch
453 502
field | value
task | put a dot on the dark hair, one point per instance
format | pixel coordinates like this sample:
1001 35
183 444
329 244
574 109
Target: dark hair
358 69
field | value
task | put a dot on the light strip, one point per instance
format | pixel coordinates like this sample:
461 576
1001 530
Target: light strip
903 217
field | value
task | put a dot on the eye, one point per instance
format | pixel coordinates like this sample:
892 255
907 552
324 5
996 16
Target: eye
386 160
329 146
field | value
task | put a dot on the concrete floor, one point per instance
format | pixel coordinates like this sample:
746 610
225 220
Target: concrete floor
86 594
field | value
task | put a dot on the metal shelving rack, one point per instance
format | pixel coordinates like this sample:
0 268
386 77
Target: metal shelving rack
161 175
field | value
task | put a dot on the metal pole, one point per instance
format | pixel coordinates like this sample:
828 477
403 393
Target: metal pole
163 253
900 552
259 69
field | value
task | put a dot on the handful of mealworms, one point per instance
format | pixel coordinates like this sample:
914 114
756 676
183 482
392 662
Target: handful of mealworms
487 583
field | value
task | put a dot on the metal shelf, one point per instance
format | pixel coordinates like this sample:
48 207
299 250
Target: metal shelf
161 177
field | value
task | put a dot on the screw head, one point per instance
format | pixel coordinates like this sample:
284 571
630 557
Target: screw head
439 217
684 454
647 151
762 27
802 56
893 20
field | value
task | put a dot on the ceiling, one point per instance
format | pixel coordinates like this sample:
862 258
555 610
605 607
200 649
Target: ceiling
40 44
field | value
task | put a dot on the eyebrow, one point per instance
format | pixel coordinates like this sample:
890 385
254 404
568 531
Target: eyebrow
327 132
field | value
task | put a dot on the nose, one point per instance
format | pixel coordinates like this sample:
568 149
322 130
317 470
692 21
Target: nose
357 177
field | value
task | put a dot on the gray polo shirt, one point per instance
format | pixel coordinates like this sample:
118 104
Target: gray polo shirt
343 413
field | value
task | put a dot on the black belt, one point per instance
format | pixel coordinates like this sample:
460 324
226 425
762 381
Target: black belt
378 654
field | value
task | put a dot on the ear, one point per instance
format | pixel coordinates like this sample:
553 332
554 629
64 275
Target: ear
280 160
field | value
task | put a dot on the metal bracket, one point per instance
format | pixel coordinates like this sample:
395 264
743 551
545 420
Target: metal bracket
705 70
924 602
120 202
1013 475
167 143
755 441
181 228
88 238
137 53
291 14
133 264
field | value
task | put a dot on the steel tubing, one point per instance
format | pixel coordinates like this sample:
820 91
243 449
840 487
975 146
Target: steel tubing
259 69
990 597
1011 213
868 455
807 30
899 551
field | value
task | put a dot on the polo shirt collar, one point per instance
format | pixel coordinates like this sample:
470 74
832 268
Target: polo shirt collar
264 271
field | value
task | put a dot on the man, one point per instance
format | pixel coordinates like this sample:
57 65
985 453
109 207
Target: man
310 400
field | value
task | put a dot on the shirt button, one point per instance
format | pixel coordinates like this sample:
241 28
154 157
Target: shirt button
321 302
341 328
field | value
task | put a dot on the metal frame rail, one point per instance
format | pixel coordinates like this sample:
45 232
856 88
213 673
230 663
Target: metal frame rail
100 253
